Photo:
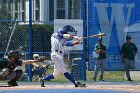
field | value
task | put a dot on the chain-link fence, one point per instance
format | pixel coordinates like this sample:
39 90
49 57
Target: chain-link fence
27 26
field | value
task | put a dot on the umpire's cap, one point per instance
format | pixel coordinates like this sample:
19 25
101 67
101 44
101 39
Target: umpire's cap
13 53
128 37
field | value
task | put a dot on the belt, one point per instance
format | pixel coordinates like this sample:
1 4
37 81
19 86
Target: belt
58 51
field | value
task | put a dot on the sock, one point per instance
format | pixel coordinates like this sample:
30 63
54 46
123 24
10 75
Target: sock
69 77
50 76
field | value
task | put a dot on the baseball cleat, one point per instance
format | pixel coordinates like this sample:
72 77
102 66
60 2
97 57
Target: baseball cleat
42 82
80 85
94 79
12 84
129 80
102 80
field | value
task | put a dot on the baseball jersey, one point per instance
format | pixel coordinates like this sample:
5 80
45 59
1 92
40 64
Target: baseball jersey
58 42
103 47
129 50
5 63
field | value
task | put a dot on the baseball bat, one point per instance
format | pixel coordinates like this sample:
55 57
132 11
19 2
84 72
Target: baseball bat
94 36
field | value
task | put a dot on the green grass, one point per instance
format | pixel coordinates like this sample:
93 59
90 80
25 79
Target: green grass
115 76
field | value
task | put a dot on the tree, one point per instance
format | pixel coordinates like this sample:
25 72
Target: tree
5 27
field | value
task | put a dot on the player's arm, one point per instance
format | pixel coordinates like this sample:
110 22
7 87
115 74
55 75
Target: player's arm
135 49
72 43
96 49
67 36
122 53
103 50
28 61
76 42
33 61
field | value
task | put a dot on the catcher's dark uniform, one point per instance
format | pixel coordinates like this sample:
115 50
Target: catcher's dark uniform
9 72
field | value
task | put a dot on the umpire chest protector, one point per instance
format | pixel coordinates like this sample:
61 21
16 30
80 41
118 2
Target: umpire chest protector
5 63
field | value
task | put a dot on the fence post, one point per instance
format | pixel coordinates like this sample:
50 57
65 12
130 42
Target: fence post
83 17
30 38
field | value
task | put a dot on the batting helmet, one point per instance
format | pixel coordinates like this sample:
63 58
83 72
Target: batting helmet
13 53
70 30
62 31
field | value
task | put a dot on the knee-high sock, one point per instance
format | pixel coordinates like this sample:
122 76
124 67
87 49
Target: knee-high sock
50 76
69 77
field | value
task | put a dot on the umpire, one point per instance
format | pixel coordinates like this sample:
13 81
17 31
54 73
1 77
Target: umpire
7 68
128 53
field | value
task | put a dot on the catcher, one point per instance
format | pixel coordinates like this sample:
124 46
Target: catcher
10 67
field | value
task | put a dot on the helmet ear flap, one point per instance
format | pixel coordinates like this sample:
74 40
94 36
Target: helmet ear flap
63 31
68 30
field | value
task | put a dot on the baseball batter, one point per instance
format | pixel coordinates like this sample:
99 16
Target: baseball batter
58 41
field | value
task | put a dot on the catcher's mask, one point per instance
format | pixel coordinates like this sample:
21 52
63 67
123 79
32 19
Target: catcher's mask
13 53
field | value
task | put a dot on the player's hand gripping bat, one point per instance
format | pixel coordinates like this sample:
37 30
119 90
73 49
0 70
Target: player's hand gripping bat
41 59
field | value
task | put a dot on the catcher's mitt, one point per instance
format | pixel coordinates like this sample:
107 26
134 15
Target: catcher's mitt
41 59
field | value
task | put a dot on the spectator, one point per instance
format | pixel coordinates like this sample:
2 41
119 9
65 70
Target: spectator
100 50
128 52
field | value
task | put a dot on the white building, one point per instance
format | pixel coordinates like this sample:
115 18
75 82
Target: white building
43 10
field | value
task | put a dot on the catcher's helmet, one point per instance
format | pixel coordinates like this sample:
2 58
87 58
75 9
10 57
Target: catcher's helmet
13 53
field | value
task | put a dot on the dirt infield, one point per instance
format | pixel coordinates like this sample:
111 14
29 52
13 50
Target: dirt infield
127 87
